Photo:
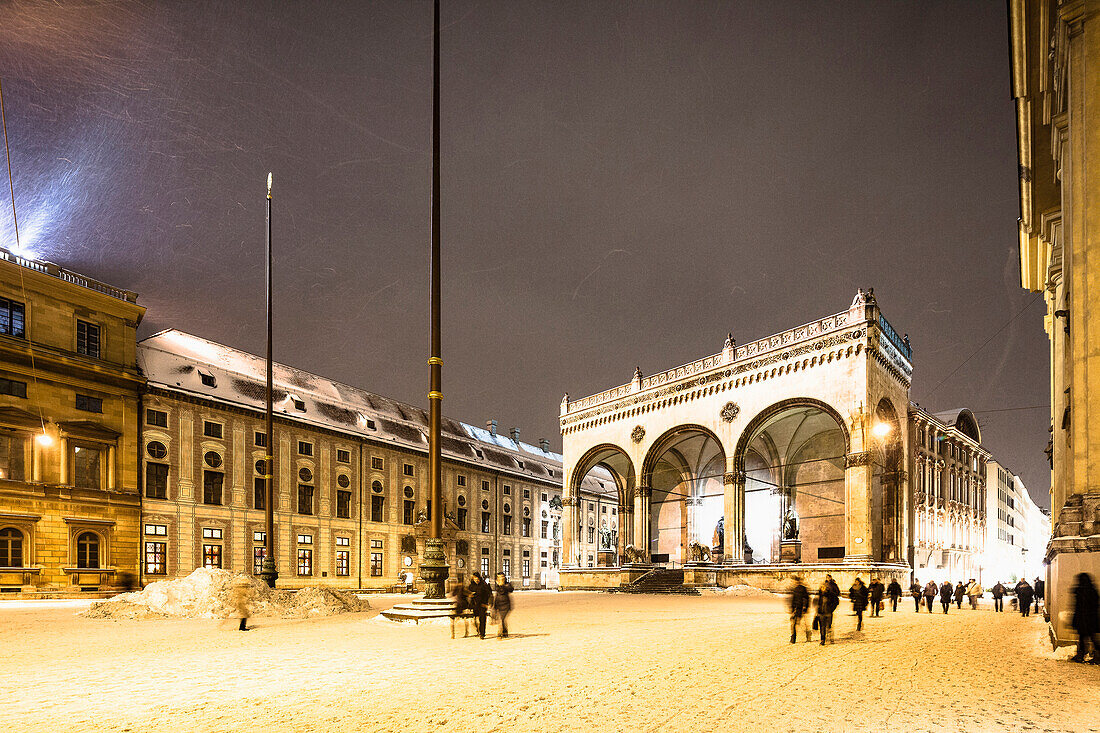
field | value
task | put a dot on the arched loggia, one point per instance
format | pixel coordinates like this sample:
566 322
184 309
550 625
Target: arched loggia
603 476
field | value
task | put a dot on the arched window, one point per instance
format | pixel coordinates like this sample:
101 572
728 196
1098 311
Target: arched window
11 548
87 550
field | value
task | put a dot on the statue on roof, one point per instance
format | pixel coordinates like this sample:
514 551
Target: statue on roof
637 373
730 343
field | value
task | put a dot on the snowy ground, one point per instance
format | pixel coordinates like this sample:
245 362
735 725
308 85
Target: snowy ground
576 661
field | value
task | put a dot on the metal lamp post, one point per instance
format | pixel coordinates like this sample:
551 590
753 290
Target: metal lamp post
269 570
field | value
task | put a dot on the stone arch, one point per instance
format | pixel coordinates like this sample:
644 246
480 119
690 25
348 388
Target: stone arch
603 463
888 481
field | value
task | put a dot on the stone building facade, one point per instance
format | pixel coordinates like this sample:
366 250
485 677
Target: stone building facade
1017 531
948 470
1055 55
69 393
350 482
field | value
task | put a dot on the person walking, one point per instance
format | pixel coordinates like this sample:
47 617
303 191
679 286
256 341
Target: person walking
502 603
917 591
828 598
876 590
974 591
481 595
240 600
858 595
1086 618
460 611
1024 594
930 592
1040 588
999 597
894 591
947 592
960 593
799 605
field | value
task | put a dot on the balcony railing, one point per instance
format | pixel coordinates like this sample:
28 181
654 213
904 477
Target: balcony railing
901 344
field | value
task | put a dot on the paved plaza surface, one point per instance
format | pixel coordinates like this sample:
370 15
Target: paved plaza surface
576 661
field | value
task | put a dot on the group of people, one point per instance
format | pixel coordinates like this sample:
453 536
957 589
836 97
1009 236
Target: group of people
947 594
476 599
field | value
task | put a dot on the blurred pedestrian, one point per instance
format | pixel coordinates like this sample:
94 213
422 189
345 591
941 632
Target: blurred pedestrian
1024 594
799 605
407 578
894 592
930 591
502 603
858 595
461 610
1040 587
240 600
998 592
960 593
947 592
1086 618
974 591
877 590
480 596
828 598
916 591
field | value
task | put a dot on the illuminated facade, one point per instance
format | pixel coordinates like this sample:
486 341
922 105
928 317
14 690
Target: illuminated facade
69 391
1055 73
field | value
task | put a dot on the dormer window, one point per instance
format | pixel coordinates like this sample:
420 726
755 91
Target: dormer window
364 422
208 379
298 402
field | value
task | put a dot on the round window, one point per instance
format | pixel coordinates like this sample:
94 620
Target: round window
409 492
462 501
260 467
343 481
484 503
156 449
305 475
461 562
544 514
526 511
213 459
377 487
507 509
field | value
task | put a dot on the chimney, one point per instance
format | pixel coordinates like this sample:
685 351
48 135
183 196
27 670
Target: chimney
544 445
514 432
491 426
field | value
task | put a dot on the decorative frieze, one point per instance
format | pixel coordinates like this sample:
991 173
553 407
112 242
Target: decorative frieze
862 458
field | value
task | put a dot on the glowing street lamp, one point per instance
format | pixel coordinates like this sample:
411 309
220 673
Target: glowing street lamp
44 440
882 429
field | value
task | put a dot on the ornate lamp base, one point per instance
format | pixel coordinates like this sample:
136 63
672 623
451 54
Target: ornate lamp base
269 572
434 570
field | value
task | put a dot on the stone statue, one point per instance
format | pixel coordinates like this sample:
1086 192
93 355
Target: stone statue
605 538
633 554
730 343
719 542
637 373
565 402
699 553
421 516
790 524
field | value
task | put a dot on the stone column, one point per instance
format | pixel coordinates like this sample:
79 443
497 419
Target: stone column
642 496
65 479
569 543
111 467
857 505
734 503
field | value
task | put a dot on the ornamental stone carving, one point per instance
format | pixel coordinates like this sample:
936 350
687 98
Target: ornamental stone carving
862 458
637 434
729 412
642 491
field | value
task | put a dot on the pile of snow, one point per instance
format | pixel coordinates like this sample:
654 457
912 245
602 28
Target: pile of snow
744 591
214 593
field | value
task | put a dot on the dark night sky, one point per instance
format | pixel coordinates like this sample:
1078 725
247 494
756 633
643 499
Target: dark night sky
623 183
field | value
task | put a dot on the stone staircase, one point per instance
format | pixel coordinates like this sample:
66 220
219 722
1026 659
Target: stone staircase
421 609
660 580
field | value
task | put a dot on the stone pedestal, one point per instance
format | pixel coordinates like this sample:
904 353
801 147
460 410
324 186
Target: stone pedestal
790 551
434 570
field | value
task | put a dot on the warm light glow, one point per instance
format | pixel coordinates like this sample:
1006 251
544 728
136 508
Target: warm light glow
882 429
268 184
44 440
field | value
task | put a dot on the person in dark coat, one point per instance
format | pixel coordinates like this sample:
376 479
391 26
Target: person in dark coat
461 610
960 593
1039 587
502 603
828 598
481 595
947 592
858 595
894 592
917 591
877 590
799 605
999 596
930 592
1024 594
1086 617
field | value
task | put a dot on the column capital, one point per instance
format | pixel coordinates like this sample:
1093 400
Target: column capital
642 491
569 501
733 478
861 458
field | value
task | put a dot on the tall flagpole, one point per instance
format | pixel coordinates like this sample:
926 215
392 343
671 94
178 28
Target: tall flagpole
269 570
433 567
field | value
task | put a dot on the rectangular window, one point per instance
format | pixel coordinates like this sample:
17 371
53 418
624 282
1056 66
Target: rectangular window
377 507
156 418
158 530
212 429
485 521
207 379
544 496
507 490
258 556
212 487
304 448
376 564
525 529
591 534
484 485
527 568
86 467
343 562
305 499
506 567
155 553
211 556
343 456
591 562
343 542
485 567
407 469
259 439
527 493
87 339
156 480
460 518
305 561
259 493
343 504
461 480
507 524
12 316
88 403
545 527
13 387
305 539
377 544
259 536
409 515
13 457
377 463
211 533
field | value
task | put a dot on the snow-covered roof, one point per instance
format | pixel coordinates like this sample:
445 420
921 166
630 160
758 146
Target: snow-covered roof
185 363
